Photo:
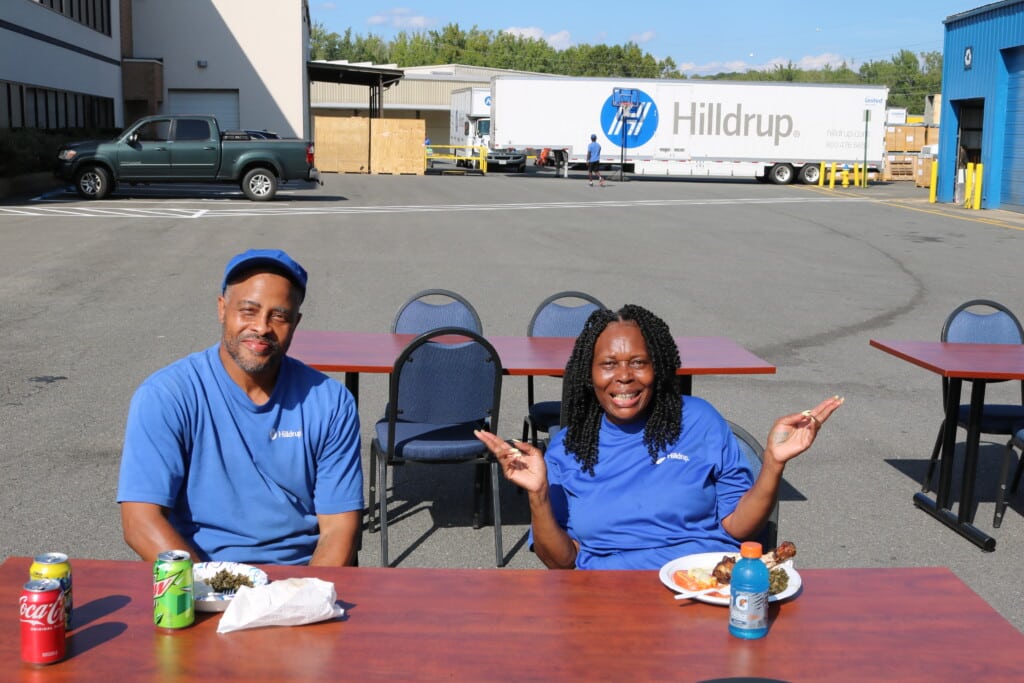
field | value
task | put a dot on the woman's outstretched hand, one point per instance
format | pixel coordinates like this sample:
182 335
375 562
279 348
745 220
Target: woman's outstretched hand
522 464
793 434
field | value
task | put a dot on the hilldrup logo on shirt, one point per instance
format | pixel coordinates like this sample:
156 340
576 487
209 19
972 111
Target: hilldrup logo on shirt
639 127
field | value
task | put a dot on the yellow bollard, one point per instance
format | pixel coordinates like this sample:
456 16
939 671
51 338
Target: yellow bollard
977 186
856 175
821 174
832 177
969 185
932 190
846 178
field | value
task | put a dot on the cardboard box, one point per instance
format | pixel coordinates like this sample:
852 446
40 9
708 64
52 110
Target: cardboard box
923 171
907 138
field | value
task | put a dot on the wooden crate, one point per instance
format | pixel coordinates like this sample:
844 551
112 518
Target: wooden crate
899 167
356 144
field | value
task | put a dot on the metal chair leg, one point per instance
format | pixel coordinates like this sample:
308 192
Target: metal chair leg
382 474
935 458
499 553
1004 474
372 505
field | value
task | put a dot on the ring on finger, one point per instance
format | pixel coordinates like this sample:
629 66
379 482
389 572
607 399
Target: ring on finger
811 415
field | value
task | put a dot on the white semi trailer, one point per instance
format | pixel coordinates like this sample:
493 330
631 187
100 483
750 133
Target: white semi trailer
470 126
769 131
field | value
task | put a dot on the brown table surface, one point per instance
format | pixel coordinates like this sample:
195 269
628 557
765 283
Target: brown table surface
376 352
958 362
919 624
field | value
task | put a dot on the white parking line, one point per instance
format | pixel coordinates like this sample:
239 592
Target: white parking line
161 210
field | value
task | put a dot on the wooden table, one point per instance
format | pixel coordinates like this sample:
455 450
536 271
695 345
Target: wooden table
375 352
920 624
958 362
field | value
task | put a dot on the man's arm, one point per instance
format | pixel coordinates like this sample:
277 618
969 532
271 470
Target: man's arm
148 533
338 539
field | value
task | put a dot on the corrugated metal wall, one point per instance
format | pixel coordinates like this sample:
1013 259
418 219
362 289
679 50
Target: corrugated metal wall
986 34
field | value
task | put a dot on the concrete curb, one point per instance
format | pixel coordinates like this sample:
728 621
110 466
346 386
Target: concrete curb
30 183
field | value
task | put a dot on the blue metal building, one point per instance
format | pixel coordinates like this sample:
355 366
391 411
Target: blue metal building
983 104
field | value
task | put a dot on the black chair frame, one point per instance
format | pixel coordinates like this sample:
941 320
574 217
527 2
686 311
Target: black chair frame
380 460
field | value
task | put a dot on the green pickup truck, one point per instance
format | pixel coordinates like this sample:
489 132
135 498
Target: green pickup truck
185 149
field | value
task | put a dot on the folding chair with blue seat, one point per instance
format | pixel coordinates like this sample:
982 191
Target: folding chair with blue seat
1016 441
980 321
754 452
433 308
555 317
439 393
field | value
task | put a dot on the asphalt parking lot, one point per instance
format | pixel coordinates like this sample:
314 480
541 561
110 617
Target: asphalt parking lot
99 295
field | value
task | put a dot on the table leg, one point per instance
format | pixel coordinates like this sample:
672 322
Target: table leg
352 384
940 507
946 455
966 513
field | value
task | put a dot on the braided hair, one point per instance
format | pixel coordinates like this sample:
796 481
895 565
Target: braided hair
582 410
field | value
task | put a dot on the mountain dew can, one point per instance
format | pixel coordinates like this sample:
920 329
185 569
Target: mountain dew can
173 602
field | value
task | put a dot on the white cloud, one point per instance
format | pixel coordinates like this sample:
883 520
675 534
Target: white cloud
401 18
641 38
559 41
808 62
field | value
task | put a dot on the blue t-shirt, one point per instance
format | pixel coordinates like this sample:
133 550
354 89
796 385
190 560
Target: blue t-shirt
635 514
244 482
593 151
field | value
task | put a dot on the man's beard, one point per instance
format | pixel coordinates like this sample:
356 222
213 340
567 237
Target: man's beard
250 362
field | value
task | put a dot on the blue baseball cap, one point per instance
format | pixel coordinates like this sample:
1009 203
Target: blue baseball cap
274 260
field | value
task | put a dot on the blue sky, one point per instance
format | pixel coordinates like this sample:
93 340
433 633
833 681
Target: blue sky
702 37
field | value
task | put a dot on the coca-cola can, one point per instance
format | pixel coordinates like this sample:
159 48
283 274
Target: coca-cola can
42 622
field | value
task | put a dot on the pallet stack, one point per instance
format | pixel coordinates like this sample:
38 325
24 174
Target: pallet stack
903 145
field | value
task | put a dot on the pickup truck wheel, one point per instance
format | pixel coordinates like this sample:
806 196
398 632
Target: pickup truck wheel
781 174
93 182
260 184
809 174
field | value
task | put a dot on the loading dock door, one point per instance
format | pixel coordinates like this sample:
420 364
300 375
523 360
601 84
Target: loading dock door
220 103
1012 187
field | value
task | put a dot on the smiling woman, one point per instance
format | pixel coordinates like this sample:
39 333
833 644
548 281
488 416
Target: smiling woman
641 474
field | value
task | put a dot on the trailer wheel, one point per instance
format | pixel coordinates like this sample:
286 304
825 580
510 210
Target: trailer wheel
809 174
93 182
260 184
781 174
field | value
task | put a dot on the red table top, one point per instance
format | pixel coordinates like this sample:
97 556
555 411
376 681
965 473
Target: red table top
908 624
375 352
964 361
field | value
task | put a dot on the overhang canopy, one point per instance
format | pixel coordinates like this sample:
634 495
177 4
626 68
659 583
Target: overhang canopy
376 78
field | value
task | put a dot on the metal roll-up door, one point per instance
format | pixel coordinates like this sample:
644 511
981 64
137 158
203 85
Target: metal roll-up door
220 103
1012 187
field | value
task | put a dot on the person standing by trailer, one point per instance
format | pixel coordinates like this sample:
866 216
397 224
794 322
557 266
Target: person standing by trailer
594 161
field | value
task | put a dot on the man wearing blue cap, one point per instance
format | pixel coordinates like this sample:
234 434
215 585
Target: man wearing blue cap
594 161
240 452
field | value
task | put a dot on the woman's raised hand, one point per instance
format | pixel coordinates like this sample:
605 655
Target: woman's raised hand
793 434
522 464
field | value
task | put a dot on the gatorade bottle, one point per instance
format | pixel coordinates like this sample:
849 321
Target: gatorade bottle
748 602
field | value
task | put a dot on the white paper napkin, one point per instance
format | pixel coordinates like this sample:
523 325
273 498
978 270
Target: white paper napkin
290 602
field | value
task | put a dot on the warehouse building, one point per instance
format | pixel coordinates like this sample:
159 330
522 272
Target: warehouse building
105 63
983 104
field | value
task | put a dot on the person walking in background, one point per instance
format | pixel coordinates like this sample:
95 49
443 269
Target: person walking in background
594 161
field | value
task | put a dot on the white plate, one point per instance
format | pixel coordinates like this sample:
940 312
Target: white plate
708 561
206 599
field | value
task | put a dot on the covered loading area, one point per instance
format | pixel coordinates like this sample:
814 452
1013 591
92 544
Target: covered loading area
370 144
